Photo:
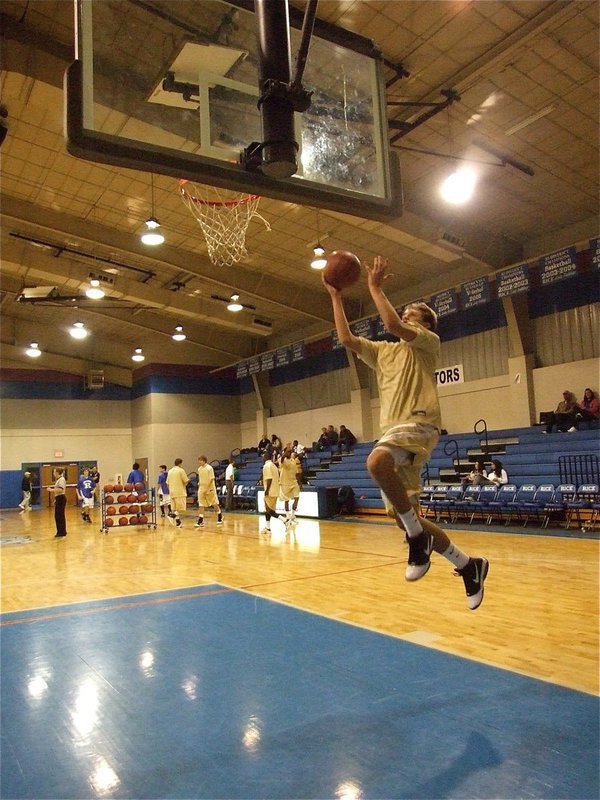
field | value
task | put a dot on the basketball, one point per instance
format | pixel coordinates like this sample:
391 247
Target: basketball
342 269
117 487
143 520
111 511
139 486
128 487
123 509
108 487
133 520
108 523
109 499
147 507
134 509
131 498
142 497
122 498
123 521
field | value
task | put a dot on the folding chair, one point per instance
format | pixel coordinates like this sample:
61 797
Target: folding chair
556 509
586 495
504 507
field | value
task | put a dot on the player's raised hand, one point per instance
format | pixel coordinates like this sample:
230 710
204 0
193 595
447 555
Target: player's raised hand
378 273
331 289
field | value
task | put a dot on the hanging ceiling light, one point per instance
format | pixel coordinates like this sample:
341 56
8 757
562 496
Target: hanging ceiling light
94 292
78 330
234 303
179 335
33 351
318 261
138 355
151 235
458 188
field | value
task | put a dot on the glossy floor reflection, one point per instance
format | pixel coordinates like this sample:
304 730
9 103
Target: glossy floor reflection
213 693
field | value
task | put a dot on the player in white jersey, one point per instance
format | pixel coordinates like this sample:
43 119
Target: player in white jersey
207 492
290 473
86 487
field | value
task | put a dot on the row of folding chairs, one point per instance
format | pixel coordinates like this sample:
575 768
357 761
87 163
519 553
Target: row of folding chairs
244 495
511 504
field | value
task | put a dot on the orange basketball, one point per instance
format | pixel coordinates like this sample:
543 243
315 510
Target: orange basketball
123 520
134 509
131 498
117 487
147 507
108 523
342 269
141 497
128 487
143 520
133 520
123 509
108 487
109 498
122 498
139 486
111 511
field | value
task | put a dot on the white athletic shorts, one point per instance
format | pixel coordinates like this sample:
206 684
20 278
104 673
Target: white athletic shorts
87 502
411 445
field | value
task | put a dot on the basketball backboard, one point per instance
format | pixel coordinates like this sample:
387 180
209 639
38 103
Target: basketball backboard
173 88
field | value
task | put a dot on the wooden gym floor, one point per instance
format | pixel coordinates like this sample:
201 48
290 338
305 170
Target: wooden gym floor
539 619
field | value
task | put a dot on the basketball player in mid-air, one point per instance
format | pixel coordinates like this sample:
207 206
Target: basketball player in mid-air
410 420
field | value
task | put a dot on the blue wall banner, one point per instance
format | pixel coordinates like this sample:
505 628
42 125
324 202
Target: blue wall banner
267 361
297 351
513 280
283 357
335 342
253 366
475 293
445 303
242 370
363 327
595 251
558 266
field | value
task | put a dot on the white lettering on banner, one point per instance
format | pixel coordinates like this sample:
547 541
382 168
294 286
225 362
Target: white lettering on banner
448 375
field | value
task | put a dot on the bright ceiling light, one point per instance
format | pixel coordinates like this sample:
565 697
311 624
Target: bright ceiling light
458 188
94 292
78 330
33 351
179 335
138 355
151 236
319 261
235 305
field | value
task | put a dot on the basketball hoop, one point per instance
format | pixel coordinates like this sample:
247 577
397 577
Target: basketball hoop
224 219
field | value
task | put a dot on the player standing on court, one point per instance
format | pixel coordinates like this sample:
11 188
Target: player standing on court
270 480
177 480
290 473
86 488
207 492
163 491
410 420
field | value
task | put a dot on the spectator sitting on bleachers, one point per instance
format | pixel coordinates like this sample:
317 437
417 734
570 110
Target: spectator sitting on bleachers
264 444
346 439
588 409
497 476
564 416
276 446
322 442
477 471
298 448
332 436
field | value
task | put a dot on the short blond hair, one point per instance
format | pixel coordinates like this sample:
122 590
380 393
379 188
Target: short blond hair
427 314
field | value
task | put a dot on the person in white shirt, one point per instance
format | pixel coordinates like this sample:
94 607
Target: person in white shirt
497 476
229 482
60 502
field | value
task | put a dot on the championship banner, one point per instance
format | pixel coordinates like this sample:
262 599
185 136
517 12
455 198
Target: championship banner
558 266
475 293
242 370
297 351
445 303
253 366
595 251
513 280
283 357
363 327
267 361
450 375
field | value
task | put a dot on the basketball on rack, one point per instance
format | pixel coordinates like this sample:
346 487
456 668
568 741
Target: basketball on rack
138 486
342 269
123 510
117 487
108 523
111 511
122 498
142 497
123 520
109 499
133 520
143 519
134 509
128 487
108 487
147 507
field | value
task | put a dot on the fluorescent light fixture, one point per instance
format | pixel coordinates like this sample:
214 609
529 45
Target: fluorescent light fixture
33 351
94 292
529 120
179 335
235 305
78 330
138 355
458 188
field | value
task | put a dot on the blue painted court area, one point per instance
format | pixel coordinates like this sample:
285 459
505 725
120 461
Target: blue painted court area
212 693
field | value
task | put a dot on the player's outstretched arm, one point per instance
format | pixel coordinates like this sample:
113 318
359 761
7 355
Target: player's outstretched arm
345 335
377 274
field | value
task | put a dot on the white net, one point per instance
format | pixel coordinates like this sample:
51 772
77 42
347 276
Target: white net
224 219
